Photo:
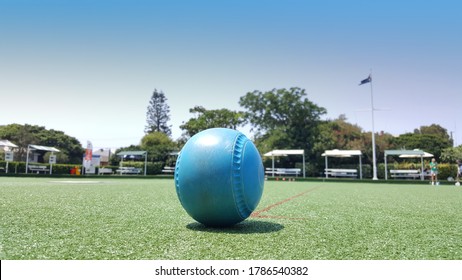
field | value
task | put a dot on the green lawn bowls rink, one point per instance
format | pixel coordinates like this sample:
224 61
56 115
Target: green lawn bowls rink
53 218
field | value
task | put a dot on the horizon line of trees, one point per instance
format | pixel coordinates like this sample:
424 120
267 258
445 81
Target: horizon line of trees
279 119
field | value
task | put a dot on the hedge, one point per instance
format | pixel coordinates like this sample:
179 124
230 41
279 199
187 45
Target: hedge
152 168
445 170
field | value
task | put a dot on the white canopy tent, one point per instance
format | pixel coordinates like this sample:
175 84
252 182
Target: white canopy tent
344 154
276 153
425 155
416 153
135 153
6 145
31 147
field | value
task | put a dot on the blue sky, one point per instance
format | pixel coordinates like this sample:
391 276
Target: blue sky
89 68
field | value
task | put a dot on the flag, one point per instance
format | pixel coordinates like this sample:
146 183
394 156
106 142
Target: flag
89 151
367 80
88 156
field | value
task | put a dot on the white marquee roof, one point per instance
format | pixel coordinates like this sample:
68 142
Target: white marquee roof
341 153
404 152
284 153
132 153
43 148
425 154
7 143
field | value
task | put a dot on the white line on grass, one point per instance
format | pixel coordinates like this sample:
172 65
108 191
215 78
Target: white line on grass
77 182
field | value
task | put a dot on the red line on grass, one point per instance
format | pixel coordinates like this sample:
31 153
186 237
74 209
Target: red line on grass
278 217
258 214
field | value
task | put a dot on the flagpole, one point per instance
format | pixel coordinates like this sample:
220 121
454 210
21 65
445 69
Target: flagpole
374 158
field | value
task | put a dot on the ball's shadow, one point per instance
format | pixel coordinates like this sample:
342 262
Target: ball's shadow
245 227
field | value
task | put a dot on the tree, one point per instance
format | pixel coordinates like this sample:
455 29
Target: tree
158 145
452 154
158 114
436 130
71 150
383 141
338 134
21 135
282 118
210 119
342 135
431 143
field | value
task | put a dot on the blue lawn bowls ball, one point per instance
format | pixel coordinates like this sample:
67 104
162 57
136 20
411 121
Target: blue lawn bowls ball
219 177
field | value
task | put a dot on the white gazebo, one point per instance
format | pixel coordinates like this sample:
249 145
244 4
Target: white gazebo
416 153
6 145
31 147
343 154
279 153
135 153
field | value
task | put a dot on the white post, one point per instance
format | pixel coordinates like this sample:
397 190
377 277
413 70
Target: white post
27 158
325 170
374 160
422 177
386 169
272 165
145 162
51 164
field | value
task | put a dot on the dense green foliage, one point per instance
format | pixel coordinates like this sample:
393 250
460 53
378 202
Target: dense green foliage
205 119
71 150
279 119
283 119
430 143
158 145
452 154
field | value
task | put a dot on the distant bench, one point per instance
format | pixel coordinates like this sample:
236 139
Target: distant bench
38 168
283 171
128 170
353 173
104 171
169 169
405 173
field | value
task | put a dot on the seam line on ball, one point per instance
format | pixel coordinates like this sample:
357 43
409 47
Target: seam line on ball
238 187
177 183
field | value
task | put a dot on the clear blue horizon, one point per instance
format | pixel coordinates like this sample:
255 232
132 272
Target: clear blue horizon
89 68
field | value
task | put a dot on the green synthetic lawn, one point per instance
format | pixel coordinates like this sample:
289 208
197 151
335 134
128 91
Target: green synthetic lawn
48 218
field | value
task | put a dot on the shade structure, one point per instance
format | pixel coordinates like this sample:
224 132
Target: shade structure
282 153
425 155
416 153
344 154
32 147
7 144
43 148
136 153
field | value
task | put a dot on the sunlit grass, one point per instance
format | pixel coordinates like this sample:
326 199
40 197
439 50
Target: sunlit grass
46 218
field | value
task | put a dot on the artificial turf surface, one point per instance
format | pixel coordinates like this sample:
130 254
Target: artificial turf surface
52 218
